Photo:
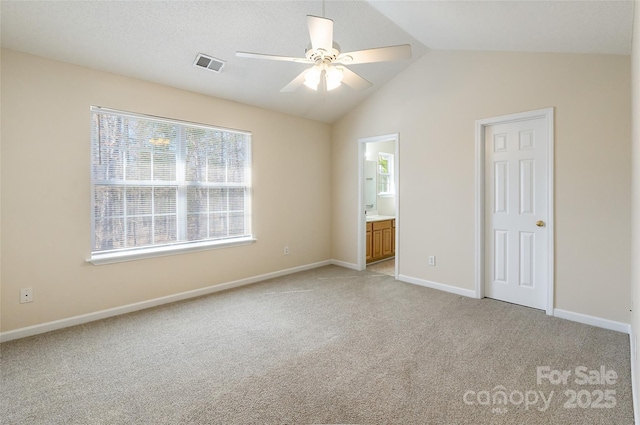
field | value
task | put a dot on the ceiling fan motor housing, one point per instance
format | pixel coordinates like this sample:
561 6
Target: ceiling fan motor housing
321 55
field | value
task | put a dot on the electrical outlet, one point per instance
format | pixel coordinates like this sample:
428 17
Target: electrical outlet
286 250
432 260
26 295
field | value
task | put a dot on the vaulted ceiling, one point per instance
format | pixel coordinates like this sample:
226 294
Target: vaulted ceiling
159 40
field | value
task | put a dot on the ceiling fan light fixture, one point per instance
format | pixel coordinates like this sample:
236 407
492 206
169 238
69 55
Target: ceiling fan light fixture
334 77
160 141
312 77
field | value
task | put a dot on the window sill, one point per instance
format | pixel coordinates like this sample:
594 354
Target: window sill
161 251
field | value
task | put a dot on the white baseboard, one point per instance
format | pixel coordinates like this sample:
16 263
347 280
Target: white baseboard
345 265
116 311
634 376
439 286
593 321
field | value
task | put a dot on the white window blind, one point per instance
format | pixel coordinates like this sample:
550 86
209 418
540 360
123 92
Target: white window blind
159 182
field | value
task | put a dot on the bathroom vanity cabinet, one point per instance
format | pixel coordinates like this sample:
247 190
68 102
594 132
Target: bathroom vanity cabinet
380 239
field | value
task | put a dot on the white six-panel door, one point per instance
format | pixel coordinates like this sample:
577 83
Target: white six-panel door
515 228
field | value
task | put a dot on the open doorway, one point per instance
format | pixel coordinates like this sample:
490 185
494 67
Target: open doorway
378 212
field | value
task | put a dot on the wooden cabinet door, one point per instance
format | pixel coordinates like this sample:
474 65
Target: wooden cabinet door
381 241
377 243
386 242
393 237
369 248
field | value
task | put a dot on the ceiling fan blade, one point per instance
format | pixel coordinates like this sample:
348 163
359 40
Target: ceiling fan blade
295 83
271 57
381 54
320 33
353 80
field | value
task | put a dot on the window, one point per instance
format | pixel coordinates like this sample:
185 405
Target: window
385 174
160 185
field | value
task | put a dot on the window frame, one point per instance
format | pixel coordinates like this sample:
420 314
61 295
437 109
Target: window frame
182 185
390 164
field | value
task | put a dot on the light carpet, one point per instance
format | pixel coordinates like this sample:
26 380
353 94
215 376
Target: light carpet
329 345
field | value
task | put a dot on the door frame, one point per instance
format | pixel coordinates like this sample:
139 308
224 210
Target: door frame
548 115
362 222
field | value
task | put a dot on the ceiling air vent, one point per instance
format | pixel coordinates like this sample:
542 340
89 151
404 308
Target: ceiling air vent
208 62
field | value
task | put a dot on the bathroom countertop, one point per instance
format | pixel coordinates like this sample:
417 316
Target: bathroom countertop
371 218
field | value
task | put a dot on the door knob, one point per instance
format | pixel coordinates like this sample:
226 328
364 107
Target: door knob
540 223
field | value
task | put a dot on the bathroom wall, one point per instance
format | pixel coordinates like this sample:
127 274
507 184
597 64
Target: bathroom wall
386 204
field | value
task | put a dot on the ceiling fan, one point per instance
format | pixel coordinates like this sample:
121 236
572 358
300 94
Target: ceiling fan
328 62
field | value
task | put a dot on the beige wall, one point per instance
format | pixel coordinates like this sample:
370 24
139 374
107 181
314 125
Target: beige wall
46 192
45 160
635 262
434 104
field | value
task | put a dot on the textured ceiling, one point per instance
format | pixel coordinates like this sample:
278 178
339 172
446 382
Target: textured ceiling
159 40
568 26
